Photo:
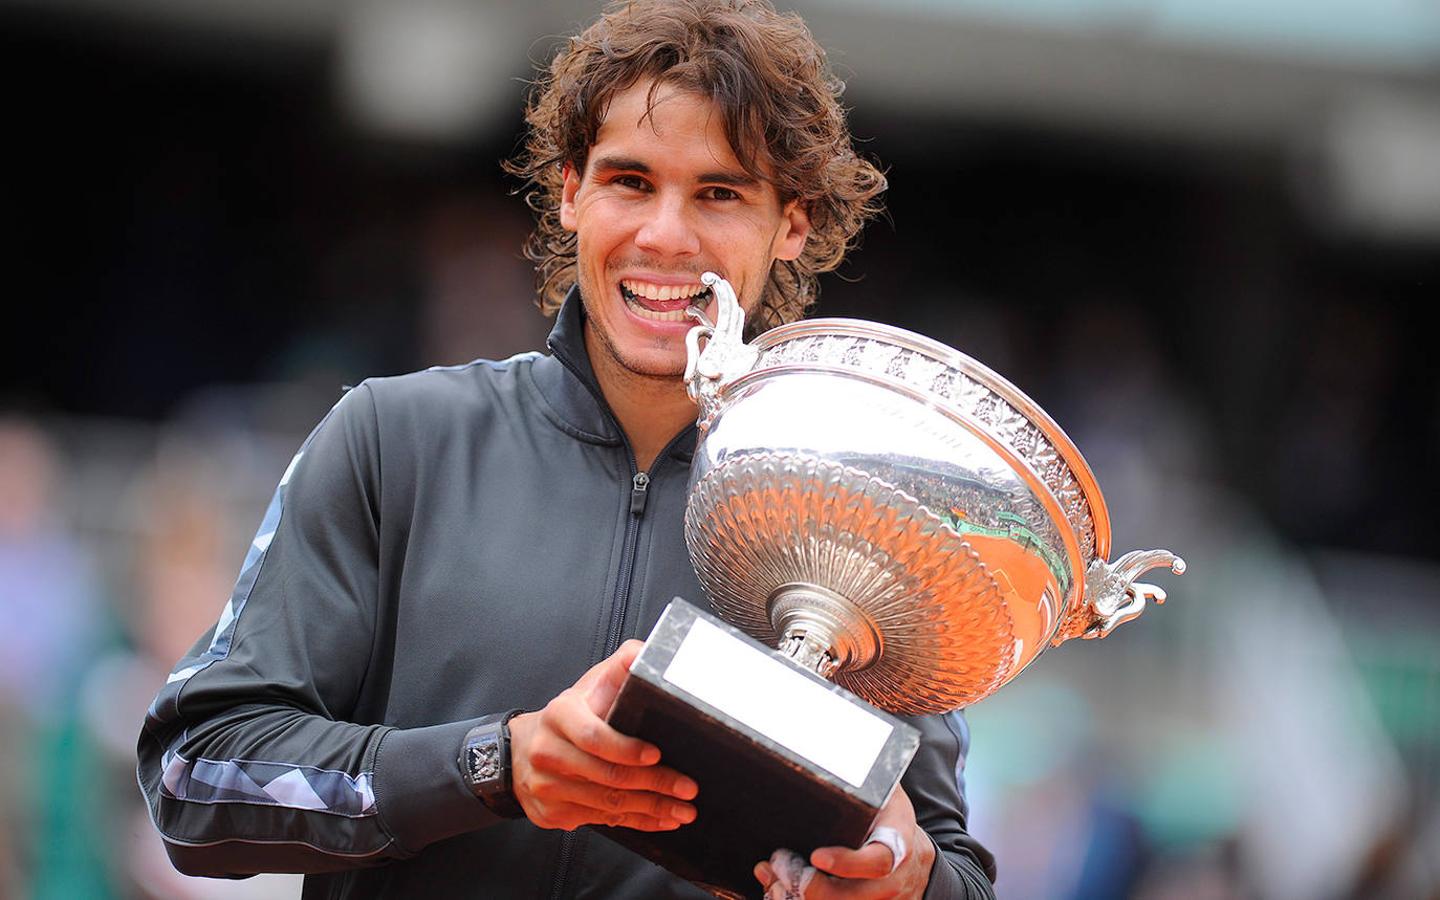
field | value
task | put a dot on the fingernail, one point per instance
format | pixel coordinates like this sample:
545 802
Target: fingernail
686 789
649 756
822 859
668 824
683 813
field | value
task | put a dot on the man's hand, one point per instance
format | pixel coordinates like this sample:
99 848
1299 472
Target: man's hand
569 768
866 873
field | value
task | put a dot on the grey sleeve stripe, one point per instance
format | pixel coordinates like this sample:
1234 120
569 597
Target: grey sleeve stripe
267 784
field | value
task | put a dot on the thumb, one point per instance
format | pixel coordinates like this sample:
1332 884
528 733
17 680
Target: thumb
608 675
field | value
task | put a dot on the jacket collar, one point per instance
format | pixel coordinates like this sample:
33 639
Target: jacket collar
571 391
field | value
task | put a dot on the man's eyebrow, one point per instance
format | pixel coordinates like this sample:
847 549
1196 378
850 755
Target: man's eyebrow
627 164
731 179
620 163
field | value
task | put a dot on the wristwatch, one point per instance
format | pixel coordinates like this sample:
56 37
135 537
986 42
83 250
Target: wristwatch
485 766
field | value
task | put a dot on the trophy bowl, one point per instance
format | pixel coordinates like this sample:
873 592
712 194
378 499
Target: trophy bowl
892 514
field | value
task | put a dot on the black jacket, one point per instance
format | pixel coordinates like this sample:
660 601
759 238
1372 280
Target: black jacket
447 545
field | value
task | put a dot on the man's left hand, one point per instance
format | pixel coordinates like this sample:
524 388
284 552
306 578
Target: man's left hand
866 872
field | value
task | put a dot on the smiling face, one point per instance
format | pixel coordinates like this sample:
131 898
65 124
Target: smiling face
663 199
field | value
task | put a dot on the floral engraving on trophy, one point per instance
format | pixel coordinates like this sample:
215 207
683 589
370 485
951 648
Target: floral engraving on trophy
971 393
817 351
922 372
877 355
899 366
944 384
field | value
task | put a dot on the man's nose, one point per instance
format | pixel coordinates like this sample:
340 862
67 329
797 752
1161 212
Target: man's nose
669 228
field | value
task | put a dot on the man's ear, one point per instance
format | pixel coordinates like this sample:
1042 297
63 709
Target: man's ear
794 229
567 197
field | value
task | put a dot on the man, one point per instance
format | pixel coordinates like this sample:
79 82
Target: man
454 546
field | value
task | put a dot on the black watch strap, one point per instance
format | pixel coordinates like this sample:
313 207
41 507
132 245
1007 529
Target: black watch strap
485 766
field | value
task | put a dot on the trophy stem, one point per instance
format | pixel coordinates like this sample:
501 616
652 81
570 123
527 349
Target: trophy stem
810 651
821 630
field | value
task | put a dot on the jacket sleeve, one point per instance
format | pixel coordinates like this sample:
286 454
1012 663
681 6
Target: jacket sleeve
247 759
935 783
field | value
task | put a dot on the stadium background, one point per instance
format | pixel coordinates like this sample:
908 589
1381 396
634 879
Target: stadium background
1204 236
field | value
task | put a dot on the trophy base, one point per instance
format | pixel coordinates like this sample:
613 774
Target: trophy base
783 758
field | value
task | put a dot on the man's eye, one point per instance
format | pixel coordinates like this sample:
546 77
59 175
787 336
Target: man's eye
722 193
631 181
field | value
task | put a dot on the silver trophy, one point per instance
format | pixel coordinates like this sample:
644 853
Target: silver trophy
889 515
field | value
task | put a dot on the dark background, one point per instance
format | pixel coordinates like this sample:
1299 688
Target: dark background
185 215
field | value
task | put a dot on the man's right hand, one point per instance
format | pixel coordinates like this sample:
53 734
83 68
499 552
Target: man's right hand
570 768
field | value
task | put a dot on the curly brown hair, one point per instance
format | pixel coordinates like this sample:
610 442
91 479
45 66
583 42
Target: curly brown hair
770 81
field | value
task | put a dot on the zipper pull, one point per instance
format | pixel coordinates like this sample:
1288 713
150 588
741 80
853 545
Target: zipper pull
639 485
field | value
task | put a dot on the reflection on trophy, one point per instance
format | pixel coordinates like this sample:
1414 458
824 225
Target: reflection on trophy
904 527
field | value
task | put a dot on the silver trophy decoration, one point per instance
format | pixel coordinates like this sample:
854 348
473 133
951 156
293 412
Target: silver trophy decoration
888 514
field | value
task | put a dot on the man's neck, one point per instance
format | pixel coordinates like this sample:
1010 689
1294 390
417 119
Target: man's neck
651 410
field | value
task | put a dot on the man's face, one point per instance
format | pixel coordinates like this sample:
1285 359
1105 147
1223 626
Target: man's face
663 199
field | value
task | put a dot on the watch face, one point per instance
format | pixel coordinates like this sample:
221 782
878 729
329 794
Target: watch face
484 762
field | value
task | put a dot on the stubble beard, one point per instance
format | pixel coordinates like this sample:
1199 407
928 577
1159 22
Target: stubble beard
635 365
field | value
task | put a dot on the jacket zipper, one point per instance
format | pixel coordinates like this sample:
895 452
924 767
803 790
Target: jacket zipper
639 493
639 488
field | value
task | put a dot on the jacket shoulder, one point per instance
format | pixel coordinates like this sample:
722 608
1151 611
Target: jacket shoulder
441 388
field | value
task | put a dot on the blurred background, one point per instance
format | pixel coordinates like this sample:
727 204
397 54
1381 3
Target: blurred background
1203 235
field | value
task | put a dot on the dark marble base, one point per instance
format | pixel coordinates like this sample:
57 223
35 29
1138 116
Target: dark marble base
756 795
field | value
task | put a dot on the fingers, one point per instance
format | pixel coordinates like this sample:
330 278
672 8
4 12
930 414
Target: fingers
570 761
824 887
570 768
595 782
568 803
577 713
615 800
574 719
874 870
870 861
764 874
569 816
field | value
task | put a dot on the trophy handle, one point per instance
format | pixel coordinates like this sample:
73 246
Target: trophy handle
725 355
1113 596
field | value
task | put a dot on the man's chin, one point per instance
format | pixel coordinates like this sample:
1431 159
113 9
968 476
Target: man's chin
658 369
650 363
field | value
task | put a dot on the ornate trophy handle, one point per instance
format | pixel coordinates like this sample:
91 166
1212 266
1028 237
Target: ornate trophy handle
725 356
1113 596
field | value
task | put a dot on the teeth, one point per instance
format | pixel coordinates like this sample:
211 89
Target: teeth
662 292
674 315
